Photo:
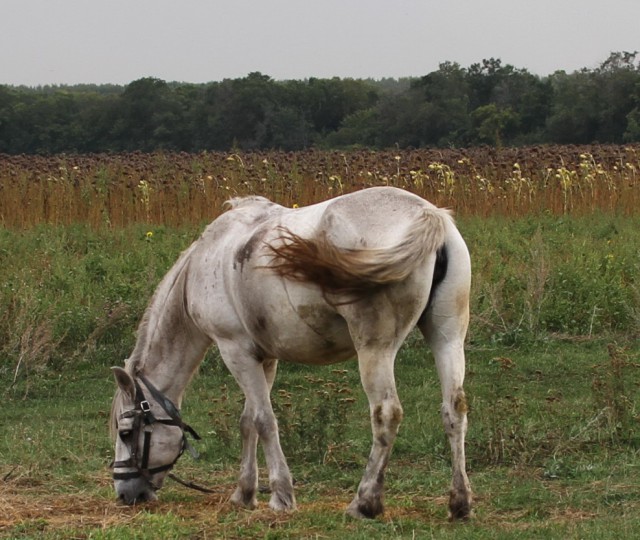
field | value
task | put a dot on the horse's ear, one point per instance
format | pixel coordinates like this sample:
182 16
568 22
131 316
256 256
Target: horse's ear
125 382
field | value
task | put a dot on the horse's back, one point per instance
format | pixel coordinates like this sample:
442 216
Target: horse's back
237 293
368 218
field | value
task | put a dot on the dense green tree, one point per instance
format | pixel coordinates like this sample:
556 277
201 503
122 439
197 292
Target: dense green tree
632 133
594 105
517 100
492 124
329 101
617 81
8 126
574 113
248 113
487 103
362 128
443 116
147 114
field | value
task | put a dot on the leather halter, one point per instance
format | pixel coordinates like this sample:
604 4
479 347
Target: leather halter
143 420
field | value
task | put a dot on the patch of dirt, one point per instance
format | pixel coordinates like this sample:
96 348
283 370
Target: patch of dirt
36 505
23 501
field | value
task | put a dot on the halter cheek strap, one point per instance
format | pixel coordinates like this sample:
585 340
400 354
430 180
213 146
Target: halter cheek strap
144 419
169 408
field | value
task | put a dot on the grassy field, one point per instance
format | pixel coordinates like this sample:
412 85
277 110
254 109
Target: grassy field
553 361
553 452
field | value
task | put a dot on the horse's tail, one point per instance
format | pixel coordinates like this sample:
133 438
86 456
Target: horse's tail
340 270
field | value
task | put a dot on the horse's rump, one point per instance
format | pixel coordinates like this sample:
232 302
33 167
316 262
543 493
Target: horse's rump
319 260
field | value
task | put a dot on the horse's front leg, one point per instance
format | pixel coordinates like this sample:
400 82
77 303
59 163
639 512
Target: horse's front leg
376 372
280 481
258 421
245 493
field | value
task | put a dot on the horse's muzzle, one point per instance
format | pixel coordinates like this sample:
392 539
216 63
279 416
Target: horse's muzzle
135 491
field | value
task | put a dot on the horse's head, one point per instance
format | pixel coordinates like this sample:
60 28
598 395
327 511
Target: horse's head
149 438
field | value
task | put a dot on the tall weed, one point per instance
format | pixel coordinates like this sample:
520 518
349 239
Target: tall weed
73 293
311 417
541 276
613 393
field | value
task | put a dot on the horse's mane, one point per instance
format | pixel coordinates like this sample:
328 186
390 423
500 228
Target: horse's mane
147 326
237 202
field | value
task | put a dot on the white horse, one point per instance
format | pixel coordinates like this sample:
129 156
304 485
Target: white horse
314 285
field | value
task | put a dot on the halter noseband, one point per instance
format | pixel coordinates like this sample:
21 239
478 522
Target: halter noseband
143 419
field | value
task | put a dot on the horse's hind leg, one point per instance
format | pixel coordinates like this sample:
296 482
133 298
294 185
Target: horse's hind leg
444 326
376 372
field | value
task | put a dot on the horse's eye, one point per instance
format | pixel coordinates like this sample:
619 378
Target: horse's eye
124 433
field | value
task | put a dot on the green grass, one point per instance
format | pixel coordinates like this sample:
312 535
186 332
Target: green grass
553 382
73 294
545 457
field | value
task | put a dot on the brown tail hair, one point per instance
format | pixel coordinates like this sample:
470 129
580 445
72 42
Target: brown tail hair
339 270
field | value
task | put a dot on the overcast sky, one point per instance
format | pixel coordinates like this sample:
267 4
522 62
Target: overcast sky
118 41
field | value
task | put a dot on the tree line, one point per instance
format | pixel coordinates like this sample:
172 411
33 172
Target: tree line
486 103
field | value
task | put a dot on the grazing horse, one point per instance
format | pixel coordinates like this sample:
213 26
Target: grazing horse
351 276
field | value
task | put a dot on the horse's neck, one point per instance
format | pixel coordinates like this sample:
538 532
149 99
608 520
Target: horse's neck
169 346
170 369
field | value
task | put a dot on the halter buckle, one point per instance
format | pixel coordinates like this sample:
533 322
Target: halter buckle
145 407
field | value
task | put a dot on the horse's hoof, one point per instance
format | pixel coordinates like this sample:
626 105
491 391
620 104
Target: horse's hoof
248 502
460 517
364 510
459 507
282 502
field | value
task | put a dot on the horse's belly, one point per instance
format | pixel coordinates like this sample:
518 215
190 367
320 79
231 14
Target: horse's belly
315 352
314 335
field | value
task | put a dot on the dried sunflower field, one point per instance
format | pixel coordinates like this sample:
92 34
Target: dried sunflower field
177 188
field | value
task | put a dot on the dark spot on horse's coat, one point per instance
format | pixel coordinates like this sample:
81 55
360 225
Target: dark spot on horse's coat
394 419
264 426
329 344
377 415
397 415
258 353
245 252
247 495
382 441
460 402
246 425
261 323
